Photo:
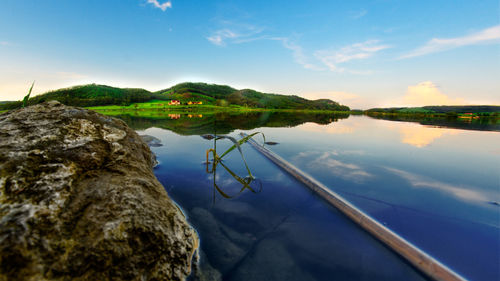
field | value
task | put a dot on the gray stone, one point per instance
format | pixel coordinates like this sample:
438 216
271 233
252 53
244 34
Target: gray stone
79 201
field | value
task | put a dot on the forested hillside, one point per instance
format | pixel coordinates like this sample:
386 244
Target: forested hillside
224 95
221 95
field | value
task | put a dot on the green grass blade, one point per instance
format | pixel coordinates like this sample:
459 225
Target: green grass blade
237 144
26 98
240 142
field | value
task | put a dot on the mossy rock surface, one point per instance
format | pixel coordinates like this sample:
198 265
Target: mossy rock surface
79 201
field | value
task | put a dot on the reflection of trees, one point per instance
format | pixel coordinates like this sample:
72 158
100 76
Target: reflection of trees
481 124
228 122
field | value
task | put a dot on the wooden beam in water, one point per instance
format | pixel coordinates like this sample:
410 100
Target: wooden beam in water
419 259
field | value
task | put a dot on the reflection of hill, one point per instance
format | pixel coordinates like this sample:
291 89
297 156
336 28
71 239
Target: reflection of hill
228 122
481 124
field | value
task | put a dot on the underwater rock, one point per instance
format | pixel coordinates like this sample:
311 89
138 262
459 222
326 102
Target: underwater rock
270 260
79 201
151 141
224 254
203 271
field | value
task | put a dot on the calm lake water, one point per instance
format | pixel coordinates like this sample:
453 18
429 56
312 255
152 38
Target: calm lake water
437 185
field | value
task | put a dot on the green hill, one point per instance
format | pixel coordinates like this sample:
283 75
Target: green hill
440 109
88 95
222 95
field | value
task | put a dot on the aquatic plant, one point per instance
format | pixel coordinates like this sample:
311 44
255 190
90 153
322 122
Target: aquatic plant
26 98
236 144
217 159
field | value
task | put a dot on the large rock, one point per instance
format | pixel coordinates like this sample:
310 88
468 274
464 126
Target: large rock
79 201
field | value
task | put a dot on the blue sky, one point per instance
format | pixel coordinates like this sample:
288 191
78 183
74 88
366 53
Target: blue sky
360 53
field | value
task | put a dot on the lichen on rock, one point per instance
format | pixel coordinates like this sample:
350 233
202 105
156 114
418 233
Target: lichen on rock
79 201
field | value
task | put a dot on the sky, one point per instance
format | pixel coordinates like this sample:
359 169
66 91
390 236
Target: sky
363 54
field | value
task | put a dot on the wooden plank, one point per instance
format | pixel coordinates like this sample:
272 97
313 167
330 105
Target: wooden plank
422 261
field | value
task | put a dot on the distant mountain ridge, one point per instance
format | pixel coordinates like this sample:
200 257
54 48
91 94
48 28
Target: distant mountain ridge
222 95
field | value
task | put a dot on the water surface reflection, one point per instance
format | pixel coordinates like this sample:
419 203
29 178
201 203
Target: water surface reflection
434 184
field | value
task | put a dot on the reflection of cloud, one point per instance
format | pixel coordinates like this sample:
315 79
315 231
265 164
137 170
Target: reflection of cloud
305 154
421 136
343 170
333 128
489 35
419 181
427 93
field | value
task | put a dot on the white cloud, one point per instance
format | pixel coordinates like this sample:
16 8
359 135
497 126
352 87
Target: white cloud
4 43
163 6
427 93
489 35
358 51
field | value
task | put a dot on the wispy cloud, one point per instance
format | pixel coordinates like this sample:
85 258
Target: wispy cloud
358 51
321 60
162 6
235 34
5 43
297 52
469 194
489 35
220 37
358 14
